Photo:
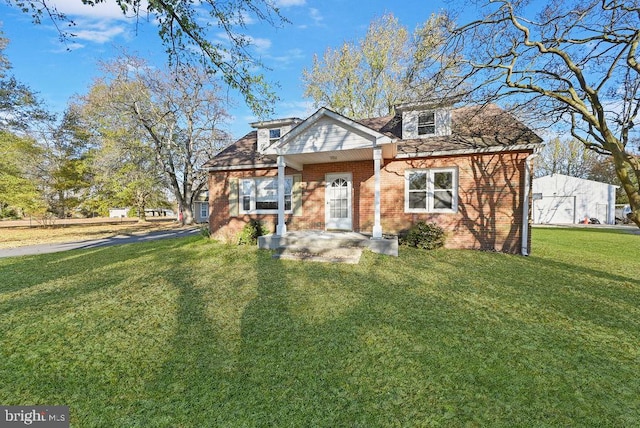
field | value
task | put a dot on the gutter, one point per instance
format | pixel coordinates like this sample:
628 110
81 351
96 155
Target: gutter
491 149
240 167
525 209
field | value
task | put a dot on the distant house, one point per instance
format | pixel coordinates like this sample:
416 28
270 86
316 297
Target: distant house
201 208
465 169
118 212
561 199
149 212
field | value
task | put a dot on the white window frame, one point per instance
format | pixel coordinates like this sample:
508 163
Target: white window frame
204 209
424 114
251 185
274 139
430 191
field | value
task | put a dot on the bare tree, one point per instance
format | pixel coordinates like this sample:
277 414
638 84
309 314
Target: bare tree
576 62
179 116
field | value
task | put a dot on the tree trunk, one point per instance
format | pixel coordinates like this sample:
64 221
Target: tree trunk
187 215
142 215
628 186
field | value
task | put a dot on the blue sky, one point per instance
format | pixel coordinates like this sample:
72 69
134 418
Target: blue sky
57 71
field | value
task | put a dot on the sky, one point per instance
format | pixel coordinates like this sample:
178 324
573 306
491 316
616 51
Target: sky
57 71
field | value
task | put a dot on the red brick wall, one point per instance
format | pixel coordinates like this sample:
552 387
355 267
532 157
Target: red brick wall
489 199
490 196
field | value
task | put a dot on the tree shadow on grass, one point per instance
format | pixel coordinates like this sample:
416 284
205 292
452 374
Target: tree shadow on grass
65 320
329 345
230 337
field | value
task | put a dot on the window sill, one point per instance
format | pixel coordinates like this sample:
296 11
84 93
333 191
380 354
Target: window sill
273 212
415 211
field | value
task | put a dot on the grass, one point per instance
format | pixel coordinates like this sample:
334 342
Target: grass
191 333
11 237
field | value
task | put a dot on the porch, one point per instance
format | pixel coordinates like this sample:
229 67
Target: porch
326 246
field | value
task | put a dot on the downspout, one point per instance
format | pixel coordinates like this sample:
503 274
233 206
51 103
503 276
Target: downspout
525 209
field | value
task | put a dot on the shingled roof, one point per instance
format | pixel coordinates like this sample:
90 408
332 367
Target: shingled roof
473 129
241 154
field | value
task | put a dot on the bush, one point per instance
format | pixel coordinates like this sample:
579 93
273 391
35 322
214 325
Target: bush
204 231
251 231
10 213
427 236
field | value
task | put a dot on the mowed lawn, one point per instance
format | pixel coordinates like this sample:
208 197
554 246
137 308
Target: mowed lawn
194 333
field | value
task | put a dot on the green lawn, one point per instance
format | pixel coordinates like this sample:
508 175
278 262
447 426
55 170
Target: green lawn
193 333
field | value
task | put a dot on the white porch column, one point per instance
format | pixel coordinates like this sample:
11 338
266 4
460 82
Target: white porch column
281 228
377 228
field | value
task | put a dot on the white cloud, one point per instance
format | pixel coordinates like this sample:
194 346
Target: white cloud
300 108
316 16
69 46
261 45
291 56
107 10
289 3
74 10
100 24
99 32
247 19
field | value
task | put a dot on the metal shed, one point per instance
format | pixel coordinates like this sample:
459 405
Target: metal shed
561 199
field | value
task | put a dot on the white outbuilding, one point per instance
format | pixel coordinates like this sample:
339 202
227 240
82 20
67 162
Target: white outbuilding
561 199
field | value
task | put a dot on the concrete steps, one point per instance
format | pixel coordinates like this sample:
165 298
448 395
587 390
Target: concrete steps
331 255
344 247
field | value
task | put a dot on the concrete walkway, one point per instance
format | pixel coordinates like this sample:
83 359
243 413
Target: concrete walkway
31 250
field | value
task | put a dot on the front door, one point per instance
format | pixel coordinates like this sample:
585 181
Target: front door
338 201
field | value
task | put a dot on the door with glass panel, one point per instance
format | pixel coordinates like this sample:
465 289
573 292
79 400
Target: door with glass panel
338 202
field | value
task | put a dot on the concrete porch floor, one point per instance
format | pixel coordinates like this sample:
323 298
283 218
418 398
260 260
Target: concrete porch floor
326 246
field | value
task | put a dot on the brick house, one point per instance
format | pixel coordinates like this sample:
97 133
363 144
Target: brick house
466 169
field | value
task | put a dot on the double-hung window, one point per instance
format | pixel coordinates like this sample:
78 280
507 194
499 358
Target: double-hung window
426 124
274 135
431 190
204 210
260 195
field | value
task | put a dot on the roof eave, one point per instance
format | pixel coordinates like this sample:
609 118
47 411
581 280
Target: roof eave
493 149
240 167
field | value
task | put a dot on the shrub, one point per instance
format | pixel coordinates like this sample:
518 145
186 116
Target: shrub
204 231
427 236
251 231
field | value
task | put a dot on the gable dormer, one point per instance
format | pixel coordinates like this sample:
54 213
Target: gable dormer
424 120
270 131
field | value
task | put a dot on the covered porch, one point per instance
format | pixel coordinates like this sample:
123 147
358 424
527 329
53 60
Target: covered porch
336 143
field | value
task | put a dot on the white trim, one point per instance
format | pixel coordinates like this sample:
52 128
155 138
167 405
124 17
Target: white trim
253 196
348 176
293 164
204 207
493 149
430 190
427 134
273 140
380 138
524 247
241 167
377 227
281 228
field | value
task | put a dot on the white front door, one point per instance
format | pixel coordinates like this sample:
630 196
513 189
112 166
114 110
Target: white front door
338 201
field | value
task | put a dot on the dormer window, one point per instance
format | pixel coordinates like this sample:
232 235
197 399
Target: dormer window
274 135
426 124
271 132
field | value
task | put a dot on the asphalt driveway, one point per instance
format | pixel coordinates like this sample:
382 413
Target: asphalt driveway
30 250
